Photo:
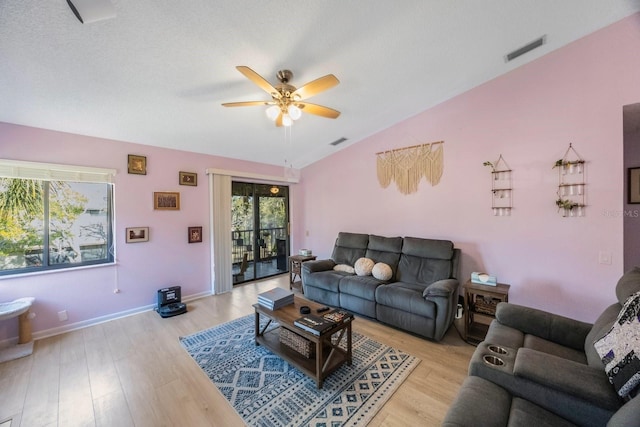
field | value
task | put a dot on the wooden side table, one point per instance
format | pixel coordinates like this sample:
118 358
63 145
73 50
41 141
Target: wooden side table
295 267
480 303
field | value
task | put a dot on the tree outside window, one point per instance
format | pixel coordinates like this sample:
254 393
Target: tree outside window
53 224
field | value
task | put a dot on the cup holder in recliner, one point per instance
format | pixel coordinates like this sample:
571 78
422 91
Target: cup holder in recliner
497 349
492 360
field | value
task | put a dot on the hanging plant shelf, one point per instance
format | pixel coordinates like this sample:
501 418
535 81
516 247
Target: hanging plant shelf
501 187
571 201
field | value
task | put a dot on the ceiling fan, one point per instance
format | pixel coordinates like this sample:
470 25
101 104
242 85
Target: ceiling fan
287 103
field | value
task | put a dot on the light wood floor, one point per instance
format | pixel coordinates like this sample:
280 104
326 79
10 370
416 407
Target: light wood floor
133 372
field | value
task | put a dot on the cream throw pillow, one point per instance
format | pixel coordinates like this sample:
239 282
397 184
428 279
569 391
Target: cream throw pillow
345 268
364 266
381 271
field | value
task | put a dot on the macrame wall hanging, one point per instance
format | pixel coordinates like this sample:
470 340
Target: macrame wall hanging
407 166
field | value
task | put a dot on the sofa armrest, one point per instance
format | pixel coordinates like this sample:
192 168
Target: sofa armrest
628 415
552 327
444 294
317 265
442 288
566 376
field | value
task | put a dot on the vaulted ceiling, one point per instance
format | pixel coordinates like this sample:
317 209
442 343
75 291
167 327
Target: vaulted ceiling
158 72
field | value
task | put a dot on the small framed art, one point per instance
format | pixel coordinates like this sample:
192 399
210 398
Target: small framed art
137 234
634 185
188 178
166 201
195 234
137 164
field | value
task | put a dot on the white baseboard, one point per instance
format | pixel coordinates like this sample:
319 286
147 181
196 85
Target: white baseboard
95 321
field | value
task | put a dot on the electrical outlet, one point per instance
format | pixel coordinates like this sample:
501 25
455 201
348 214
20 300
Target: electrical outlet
604 257
62 316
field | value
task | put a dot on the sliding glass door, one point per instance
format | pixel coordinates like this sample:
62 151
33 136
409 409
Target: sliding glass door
260 235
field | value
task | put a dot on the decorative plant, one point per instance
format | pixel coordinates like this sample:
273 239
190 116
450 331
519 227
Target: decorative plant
493 168
563 162
566 204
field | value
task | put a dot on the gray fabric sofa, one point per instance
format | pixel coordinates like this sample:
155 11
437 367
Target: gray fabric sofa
481 403
420 297
548 367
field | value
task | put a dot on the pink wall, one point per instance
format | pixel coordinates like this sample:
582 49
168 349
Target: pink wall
530 116
166 260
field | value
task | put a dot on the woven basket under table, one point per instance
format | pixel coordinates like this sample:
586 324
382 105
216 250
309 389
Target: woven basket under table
297 343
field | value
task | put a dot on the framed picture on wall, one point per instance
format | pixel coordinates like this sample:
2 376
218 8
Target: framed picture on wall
166 201
137 164
195 234
634 185
137 234
188 178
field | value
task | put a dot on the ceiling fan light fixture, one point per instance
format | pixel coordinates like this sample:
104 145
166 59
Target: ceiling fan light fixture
287 101
294 112
273 112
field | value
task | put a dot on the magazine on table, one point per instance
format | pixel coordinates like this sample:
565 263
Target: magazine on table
338 316
314 324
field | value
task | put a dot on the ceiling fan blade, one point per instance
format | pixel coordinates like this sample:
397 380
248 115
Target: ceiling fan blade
246 103
259 80
315 87
319 110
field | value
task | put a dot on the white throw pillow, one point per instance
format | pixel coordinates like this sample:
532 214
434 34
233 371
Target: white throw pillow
381 271
364 266
345 268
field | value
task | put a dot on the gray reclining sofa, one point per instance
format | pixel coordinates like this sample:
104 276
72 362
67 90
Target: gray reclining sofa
420 297
538 368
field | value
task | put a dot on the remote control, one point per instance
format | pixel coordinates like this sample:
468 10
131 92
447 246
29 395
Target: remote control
322 309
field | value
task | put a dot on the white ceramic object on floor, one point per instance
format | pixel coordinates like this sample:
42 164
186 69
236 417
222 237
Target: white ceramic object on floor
15 308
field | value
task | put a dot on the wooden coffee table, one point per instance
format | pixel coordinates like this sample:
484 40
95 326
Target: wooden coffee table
328 355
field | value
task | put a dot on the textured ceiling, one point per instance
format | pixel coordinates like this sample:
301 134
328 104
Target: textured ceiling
158 72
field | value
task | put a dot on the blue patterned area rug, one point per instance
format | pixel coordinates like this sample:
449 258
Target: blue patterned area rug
267 391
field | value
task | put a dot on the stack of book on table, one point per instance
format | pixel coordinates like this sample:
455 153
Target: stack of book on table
275 298
317 324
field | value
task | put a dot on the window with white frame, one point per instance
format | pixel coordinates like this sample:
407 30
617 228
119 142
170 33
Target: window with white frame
54 216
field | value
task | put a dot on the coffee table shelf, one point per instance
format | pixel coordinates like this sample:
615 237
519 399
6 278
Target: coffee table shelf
329 356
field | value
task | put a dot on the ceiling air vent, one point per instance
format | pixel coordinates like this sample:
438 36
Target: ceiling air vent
524 49
338 141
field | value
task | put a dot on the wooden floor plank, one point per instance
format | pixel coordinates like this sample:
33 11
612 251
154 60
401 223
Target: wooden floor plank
41 400
14 378
134 372
75 407
103 376
112 410
72 347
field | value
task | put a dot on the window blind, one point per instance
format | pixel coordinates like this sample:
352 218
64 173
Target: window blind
54 172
